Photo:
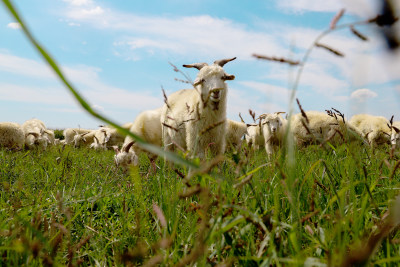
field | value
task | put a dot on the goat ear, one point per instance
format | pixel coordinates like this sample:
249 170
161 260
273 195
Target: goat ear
396 129
198 66
116 150
197 81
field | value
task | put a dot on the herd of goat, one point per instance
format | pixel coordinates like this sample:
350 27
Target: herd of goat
194 120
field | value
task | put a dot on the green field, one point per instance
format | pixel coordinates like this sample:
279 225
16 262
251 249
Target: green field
74 206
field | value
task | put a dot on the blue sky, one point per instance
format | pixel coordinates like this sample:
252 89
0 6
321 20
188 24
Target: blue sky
117 54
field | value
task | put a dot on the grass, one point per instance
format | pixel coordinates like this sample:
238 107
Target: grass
73 206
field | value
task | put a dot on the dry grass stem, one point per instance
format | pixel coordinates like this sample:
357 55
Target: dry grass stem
336 18
278 59
171 127
330 49
212 126
358 34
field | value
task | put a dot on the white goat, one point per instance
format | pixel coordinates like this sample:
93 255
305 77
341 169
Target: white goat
34 130
84 139
320 128
11 135
273 129
254 136
234 133
125 157
195 119
70 133
109 136
395 135
375 129
147 125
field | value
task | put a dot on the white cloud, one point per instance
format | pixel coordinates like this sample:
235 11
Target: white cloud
73 24
79 2
363 8
14 25
362 95
309 5
85 78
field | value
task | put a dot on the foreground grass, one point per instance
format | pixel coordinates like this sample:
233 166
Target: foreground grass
73 206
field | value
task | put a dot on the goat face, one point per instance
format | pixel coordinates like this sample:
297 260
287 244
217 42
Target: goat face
395 136
273 123
210 81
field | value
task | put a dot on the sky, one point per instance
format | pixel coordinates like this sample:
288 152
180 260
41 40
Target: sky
118 55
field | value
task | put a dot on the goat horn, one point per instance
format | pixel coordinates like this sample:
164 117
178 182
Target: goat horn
198 66
96 140
262 116
280 112
36 135
222 62
128 146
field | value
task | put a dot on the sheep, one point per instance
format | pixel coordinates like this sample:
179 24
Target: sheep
147 125
375 129
273 129
254 136
34 130
70 133
11 135
195 119
321 127
234 133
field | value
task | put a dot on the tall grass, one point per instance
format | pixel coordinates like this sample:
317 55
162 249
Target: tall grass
72 206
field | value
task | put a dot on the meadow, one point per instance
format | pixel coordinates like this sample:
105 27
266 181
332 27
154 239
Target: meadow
313 206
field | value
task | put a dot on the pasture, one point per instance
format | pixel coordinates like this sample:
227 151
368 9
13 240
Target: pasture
312 206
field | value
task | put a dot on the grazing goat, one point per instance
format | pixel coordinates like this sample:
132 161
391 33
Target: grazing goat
147 125
11 135
34 130
375 129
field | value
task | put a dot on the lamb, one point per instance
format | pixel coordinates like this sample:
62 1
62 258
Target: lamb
11 135
147 125
375 129
195 119
234 133
273 129
34 130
